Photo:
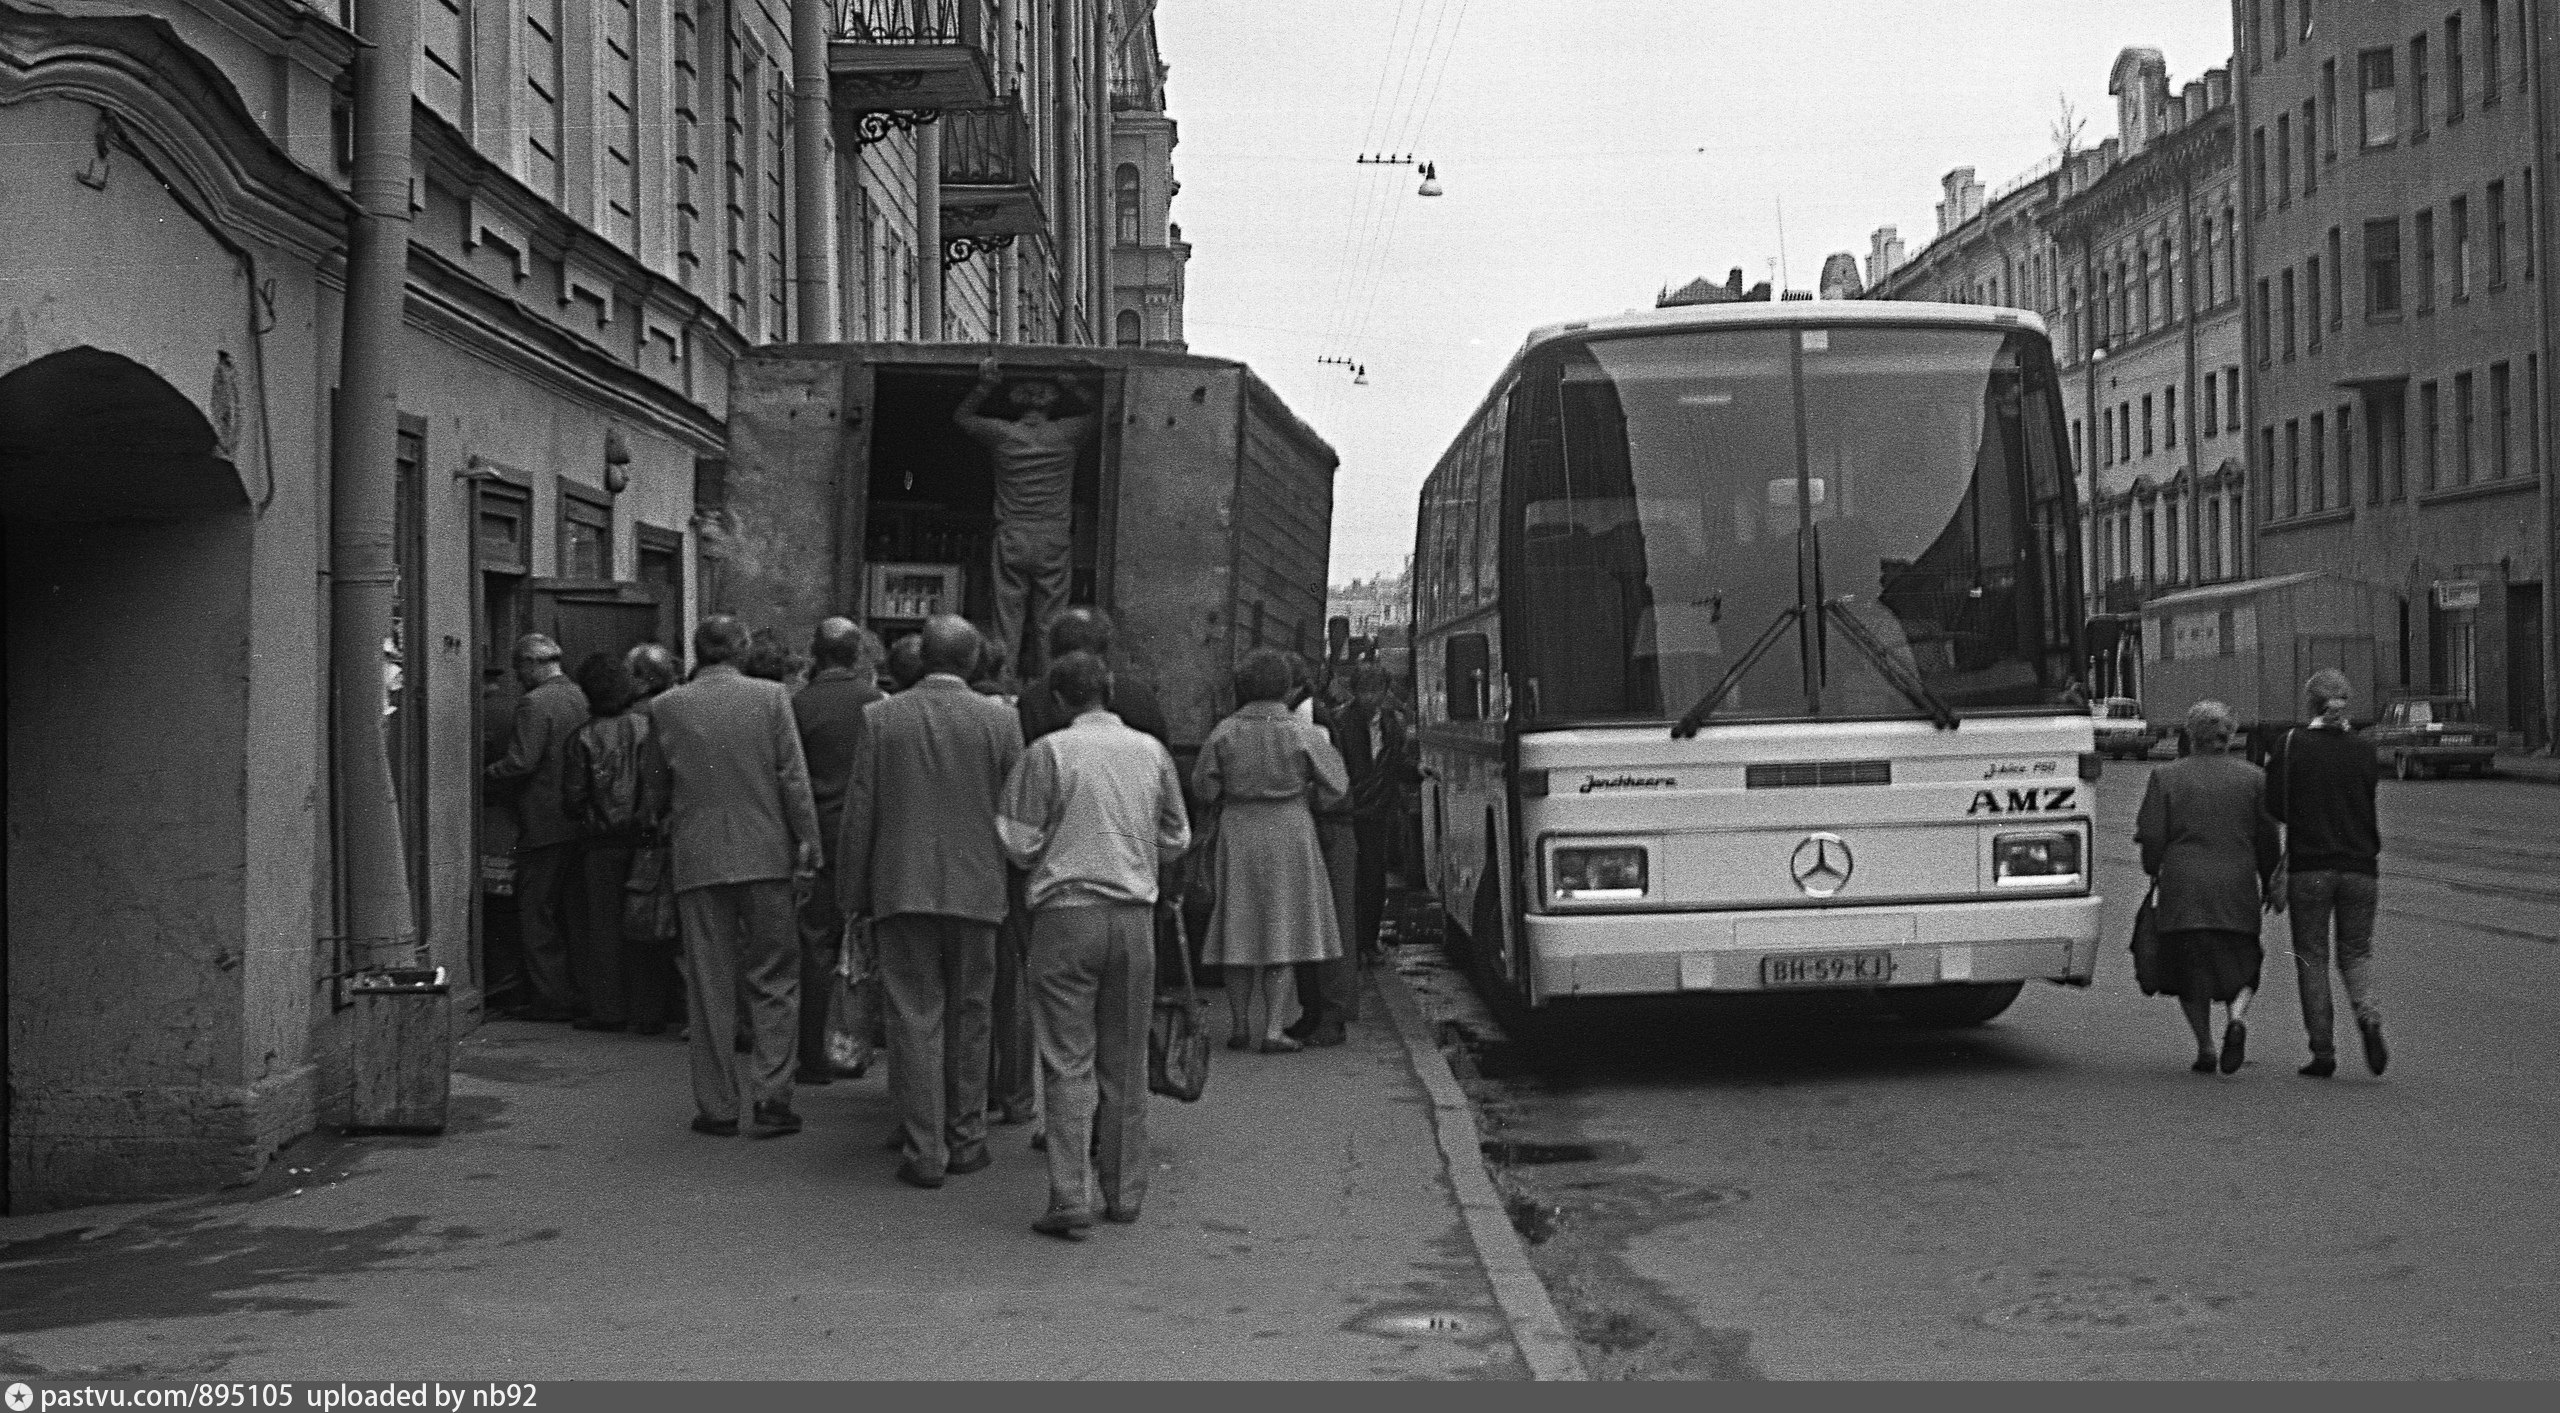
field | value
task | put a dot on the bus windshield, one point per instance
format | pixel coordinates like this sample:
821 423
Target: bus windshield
1846 522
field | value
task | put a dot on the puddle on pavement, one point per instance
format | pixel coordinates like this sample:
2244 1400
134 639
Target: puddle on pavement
181 1265
1521 1154
1438 1324
2050 1300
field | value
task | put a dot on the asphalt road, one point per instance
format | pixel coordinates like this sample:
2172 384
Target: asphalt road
1720 1191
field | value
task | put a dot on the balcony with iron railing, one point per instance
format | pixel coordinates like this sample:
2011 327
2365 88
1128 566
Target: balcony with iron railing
989 188
912 56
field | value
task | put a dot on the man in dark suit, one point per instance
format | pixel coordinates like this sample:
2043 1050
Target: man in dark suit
1376 743
829 712
1074 630
546 716
918 855
725 758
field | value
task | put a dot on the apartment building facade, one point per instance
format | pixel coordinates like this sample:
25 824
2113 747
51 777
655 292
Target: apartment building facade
609 203
2397 191
1149 257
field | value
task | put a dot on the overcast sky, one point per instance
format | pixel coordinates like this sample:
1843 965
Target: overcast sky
1592 151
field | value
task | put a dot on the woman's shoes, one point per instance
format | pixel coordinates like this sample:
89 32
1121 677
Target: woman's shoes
2235 1047
1281 1045
2204 1062
1239 1042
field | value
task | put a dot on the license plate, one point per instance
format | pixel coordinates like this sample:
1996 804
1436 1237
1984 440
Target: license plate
1827 969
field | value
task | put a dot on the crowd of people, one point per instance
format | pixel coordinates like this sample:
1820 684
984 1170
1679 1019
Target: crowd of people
2227 843
903 846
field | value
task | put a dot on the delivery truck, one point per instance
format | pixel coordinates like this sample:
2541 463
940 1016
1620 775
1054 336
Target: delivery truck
2250 645
1203 509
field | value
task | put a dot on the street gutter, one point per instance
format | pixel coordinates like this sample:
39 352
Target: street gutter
1544 1343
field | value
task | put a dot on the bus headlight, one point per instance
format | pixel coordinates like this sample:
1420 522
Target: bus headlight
2041 859
1592 873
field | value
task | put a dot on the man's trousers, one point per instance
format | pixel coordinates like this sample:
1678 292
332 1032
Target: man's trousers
940 976
740 936
1094 972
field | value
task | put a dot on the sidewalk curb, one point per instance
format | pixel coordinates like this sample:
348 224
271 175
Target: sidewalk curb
1544 1343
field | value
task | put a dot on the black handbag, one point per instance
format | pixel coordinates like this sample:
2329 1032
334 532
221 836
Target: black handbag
649 896
1178 1032
2152 970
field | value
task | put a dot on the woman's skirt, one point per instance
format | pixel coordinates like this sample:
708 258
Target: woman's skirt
1274 899
2213 965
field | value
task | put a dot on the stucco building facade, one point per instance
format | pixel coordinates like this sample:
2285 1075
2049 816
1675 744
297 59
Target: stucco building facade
603 217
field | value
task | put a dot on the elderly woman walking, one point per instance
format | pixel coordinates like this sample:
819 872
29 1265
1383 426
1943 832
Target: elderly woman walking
1266 773
2212 850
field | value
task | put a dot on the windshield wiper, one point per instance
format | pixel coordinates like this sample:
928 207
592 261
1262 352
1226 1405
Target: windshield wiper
1697 715
1900 674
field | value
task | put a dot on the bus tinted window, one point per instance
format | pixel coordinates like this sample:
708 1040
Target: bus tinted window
1829 498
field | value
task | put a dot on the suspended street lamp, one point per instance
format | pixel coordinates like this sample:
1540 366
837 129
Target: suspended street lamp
1430 180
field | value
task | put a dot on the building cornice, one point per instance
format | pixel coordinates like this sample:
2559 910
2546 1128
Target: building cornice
2135 184
170 106
448 301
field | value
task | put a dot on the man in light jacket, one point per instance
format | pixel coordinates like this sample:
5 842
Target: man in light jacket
918 855
1095 813
725 760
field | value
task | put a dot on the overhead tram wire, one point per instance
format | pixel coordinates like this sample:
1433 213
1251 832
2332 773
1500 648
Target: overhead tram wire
1369 128
1419 124
1409 61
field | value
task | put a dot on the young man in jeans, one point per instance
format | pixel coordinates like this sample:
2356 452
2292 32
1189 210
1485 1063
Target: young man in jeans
2320 785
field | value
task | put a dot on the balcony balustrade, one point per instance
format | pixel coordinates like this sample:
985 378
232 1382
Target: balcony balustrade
990 193
896 63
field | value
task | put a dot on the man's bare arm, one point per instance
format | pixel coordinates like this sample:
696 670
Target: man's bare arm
970 420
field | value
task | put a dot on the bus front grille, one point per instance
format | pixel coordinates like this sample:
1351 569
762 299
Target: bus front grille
1800 775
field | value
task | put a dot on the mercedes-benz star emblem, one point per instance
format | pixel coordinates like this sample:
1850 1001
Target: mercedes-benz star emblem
1822 865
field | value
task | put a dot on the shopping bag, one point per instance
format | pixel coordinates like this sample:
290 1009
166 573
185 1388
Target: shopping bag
852 1009
649 896
2152 970
1178 1032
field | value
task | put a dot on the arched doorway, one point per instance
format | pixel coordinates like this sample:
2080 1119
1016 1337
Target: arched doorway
128 538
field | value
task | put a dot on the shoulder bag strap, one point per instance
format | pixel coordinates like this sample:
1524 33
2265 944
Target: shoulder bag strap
1182 949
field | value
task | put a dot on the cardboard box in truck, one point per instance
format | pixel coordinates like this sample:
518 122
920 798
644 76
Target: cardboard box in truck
2250 645
1202 523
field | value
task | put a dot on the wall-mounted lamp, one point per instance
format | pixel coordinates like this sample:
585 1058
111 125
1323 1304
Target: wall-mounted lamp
617 461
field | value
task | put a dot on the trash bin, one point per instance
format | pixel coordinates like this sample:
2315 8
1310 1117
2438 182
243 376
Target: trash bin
402 1050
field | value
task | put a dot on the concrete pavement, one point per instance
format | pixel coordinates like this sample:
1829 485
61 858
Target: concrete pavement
1301 1225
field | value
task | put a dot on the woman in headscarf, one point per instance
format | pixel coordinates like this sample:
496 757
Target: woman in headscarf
1267 773
2212 849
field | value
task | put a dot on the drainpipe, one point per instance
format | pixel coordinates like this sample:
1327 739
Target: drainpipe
929 233
364 575
2542 58
812 168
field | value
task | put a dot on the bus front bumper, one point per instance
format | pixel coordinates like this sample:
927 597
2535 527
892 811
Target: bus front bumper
1629 954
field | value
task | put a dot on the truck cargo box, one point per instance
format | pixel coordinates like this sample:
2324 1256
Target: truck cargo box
2250 645
1203 507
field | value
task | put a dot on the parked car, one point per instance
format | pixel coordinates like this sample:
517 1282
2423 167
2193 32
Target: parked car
2418 735
2121 729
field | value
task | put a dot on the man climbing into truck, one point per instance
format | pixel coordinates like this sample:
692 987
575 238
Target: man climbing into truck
1035 453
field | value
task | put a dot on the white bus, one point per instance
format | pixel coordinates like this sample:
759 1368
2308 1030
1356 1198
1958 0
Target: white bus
1743 655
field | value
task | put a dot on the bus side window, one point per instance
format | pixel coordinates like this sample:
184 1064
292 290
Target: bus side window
1468 660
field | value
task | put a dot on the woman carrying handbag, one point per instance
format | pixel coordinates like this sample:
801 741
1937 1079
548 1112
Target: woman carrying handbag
2214 858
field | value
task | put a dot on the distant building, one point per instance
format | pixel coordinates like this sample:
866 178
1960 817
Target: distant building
1963 199
1840 277
1703 291
1148 254
2400 328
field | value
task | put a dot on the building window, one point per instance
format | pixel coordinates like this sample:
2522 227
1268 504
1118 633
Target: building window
2329 110
2257 33
2077 463
2150 547
2124 429
2292 468
2267 467
1129 331
2284 160
538 109
1124 204
2319 467
2423 227
2417 87
2337 279
586 532
2374 79
2462 429
2169 416
2177 560
2460 215
2346 455
2146 424
2311 294
2452 70
2231 395
2212 295
2266 321
2381 268
2287 277
2212 408
2430 434
2501 410
2231 250
2532 223
2310 131
2258 167
2488 53
2497 195
2142 292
